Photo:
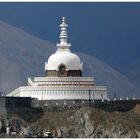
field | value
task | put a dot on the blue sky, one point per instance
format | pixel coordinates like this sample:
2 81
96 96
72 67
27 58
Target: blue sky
109 31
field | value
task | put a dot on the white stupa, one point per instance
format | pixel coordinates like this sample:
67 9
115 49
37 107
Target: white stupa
63 80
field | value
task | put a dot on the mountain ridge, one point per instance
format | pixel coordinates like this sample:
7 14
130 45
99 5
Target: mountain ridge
23 55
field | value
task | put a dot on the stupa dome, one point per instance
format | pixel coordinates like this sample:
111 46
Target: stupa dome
70 60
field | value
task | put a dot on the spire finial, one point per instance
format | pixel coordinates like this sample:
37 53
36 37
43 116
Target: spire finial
63 19
63 35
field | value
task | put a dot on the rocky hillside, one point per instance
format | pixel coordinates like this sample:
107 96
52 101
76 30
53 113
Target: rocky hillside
91 123
77 122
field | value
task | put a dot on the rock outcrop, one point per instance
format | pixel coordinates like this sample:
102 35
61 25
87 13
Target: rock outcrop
93 123
83 122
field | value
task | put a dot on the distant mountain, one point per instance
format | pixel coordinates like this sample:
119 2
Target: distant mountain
118 84
133 73
23 55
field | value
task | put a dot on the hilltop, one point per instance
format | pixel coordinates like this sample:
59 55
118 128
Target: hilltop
98 121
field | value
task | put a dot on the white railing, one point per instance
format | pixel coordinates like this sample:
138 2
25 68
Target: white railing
30 82
41 79
16 92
